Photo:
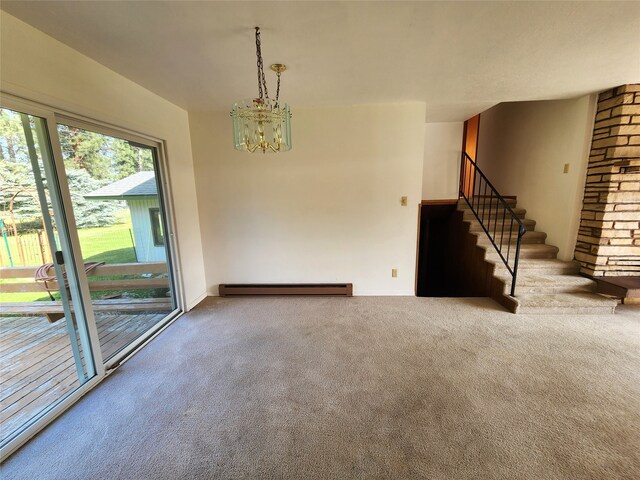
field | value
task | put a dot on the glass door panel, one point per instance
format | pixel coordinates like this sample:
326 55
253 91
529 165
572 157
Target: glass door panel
45 353
117 199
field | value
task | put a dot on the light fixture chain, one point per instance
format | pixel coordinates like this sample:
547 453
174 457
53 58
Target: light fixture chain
262 83
278 89
259 62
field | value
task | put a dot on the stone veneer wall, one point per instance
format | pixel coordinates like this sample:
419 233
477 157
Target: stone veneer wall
609 237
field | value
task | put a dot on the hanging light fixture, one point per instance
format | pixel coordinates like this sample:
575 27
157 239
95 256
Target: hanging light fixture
262 124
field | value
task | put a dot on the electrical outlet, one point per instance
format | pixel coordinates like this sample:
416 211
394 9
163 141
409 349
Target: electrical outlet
566 168
403 201
394 272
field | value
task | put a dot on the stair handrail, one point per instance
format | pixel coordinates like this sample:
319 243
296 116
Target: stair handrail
469 173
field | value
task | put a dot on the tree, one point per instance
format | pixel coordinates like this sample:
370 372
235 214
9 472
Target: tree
18 196
131 159
90 213
85 150
13 147
102 156
91 159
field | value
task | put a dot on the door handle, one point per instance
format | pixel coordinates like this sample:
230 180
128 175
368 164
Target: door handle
59 258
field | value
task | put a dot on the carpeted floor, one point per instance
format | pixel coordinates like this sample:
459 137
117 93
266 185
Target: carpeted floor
340 388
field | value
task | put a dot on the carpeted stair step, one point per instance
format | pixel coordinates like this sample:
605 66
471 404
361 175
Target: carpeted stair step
490 214
545 285
530 236
540 266
474 225
565 303
541 283
531 250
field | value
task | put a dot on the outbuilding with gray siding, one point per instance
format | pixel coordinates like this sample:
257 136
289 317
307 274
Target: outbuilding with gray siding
140 191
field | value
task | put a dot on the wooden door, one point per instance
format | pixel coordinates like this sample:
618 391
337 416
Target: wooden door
470 147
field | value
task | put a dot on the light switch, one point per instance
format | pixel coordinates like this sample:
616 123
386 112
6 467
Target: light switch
394 272
566 168
403 201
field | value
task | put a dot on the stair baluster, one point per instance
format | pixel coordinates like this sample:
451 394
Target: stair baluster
471 180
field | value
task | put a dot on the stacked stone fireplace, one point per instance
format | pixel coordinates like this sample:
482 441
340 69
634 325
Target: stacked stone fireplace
609 236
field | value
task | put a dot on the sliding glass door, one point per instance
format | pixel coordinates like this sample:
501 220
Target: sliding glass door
122 231
85 259
45 349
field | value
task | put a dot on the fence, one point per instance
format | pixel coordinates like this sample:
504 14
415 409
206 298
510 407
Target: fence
24 250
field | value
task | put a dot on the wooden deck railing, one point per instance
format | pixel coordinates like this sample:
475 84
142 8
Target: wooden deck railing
54 310
28 284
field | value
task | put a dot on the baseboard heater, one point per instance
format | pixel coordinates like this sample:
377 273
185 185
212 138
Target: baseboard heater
251 289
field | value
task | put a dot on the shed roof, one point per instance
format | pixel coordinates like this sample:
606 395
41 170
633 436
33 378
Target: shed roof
141 184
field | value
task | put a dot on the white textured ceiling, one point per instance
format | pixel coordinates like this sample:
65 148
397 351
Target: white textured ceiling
458 57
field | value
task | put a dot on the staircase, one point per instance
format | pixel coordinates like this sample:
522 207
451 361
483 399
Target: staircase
544 284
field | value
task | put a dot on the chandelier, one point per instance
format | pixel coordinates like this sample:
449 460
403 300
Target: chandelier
262 124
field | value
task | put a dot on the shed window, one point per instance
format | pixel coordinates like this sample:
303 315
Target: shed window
156 227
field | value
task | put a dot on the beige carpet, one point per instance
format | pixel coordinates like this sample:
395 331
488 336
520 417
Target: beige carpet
338 388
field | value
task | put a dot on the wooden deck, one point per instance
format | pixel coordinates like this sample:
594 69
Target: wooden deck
36 362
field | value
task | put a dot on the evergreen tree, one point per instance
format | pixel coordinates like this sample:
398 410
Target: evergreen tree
90 213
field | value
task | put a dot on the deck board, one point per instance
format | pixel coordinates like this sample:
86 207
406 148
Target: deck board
36 361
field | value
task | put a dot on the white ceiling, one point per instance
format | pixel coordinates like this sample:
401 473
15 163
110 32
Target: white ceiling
458 57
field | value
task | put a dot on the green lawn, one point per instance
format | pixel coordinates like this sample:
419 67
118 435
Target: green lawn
111 244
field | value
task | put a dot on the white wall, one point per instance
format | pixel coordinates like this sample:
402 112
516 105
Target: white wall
523 148
39 68
327 211
441 172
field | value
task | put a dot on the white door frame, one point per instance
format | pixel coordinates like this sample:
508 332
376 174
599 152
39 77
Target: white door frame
165 201
52 117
